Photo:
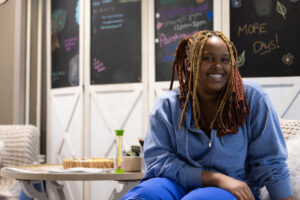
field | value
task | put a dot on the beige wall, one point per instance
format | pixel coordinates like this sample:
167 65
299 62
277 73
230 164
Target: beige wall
7 20
13 62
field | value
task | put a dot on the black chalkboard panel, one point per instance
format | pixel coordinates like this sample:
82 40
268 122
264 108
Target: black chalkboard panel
175 19
115 41
65 43
267 36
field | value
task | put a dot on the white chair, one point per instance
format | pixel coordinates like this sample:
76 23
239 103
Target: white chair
19 145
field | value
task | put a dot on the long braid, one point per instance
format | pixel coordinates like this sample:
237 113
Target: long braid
232 108
178 65
228 90
198 50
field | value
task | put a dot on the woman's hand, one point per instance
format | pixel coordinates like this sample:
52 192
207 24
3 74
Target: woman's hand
238 188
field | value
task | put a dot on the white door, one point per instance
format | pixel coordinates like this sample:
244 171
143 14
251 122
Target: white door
64 135
113 107
65 87
110 105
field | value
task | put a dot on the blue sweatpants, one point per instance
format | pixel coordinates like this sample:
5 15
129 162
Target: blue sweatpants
165 189
38 186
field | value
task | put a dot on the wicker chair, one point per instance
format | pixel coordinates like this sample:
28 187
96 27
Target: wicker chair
20 145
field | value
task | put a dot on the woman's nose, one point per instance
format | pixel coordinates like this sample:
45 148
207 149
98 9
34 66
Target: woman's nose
217 64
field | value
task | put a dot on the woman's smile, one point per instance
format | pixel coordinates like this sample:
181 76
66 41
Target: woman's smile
216 76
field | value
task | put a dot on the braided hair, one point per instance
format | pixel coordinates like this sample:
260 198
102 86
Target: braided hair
232 108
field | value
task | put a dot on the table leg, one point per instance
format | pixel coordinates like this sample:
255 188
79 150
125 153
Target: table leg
127 185
31 191
57 189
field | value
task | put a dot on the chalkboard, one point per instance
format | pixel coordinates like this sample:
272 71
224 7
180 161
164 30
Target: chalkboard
115 41
267 36
174 20
65 43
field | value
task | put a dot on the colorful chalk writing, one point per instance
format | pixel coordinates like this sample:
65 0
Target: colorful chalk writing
69 43
115 41
174 21
65 43
171 47
168 14
174 12
281 9
236 3
210 15
262 47
159 25
77 14
241 59
259 47
200 8
106 1
58 20
195 16
266 36
288 59
101 10
96 3
112 21
184 22
194 24
57 75
255 28
98 65
164 40
168 59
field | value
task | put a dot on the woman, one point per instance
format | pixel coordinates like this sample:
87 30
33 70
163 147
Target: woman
216 137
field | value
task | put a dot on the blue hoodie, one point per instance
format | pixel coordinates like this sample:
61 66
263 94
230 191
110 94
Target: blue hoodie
256 154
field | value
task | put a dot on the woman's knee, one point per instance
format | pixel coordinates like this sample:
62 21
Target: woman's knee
155 188
209 193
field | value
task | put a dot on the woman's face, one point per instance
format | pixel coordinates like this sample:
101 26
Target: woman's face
215 67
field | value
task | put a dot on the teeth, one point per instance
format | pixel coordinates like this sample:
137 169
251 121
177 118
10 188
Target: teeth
215 75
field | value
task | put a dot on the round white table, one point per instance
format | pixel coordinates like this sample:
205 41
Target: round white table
29 175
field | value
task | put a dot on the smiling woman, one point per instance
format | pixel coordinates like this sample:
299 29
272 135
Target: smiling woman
207 139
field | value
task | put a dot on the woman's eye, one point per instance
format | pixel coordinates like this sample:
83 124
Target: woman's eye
225 60
208 58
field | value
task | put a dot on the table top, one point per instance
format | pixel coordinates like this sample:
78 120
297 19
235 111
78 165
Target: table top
57 173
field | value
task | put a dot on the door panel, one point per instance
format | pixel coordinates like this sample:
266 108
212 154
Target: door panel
64 138
113 107
284 93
